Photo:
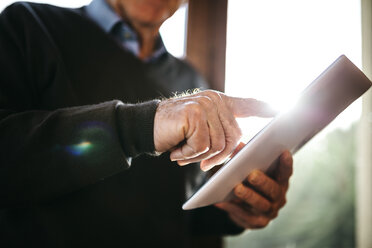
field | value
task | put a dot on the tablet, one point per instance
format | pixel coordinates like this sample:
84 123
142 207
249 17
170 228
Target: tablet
326 97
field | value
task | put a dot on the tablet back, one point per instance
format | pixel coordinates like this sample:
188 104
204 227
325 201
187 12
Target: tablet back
326 97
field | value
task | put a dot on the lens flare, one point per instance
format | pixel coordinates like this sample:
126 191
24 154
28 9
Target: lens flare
80 148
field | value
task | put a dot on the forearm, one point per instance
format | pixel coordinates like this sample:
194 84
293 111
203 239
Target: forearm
47 154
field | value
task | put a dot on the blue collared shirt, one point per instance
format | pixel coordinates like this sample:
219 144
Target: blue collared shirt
102 13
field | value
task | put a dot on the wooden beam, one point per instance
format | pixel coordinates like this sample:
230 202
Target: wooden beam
206 51
206 39
364 147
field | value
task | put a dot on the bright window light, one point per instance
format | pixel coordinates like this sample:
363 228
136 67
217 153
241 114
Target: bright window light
276 48
173 32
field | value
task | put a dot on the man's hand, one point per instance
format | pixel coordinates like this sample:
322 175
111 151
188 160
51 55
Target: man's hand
259 199
202 126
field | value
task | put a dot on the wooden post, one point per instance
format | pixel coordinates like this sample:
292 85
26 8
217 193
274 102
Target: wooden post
206 51
206 39
364 165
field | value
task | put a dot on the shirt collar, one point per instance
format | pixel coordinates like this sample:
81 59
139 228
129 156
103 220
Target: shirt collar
103 14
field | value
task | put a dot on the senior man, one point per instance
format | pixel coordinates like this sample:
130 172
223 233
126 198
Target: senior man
78 115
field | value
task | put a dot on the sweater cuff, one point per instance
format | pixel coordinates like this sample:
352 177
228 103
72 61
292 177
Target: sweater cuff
136 127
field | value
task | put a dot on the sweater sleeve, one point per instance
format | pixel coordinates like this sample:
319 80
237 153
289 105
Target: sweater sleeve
211 221
45 154
48 153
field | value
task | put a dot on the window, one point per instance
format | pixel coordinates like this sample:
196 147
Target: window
173 32
274 49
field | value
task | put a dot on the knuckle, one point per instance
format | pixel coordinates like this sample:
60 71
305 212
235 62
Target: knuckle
267 207
237 190
201 147
255 178
283 202
198 149
218 147
241 191
214 95
189 106
274 211
275 214
206 100
248 195
264 221
261 222
209 92
275 193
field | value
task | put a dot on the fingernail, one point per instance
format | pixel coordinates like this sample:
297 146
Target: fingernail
253 178
287 159
174 157
204 167
239 190
218 204
182 163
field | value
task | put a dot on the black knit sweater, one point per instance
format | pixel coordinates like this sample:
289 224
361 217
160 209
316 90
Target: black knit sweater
70 117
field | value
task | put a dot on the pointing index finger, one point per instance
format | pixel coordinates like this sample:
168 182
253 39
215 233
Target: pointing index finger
245 107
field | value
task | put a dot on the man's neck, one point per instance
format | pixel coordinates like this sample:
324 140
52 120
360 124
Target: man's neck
147 34
147 38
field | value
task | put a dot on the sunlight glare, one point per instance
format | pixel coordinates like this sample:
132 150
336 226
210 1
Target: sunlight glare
276 48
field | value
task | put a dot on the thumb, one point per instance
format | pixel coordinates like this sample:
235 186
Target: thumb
245 107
